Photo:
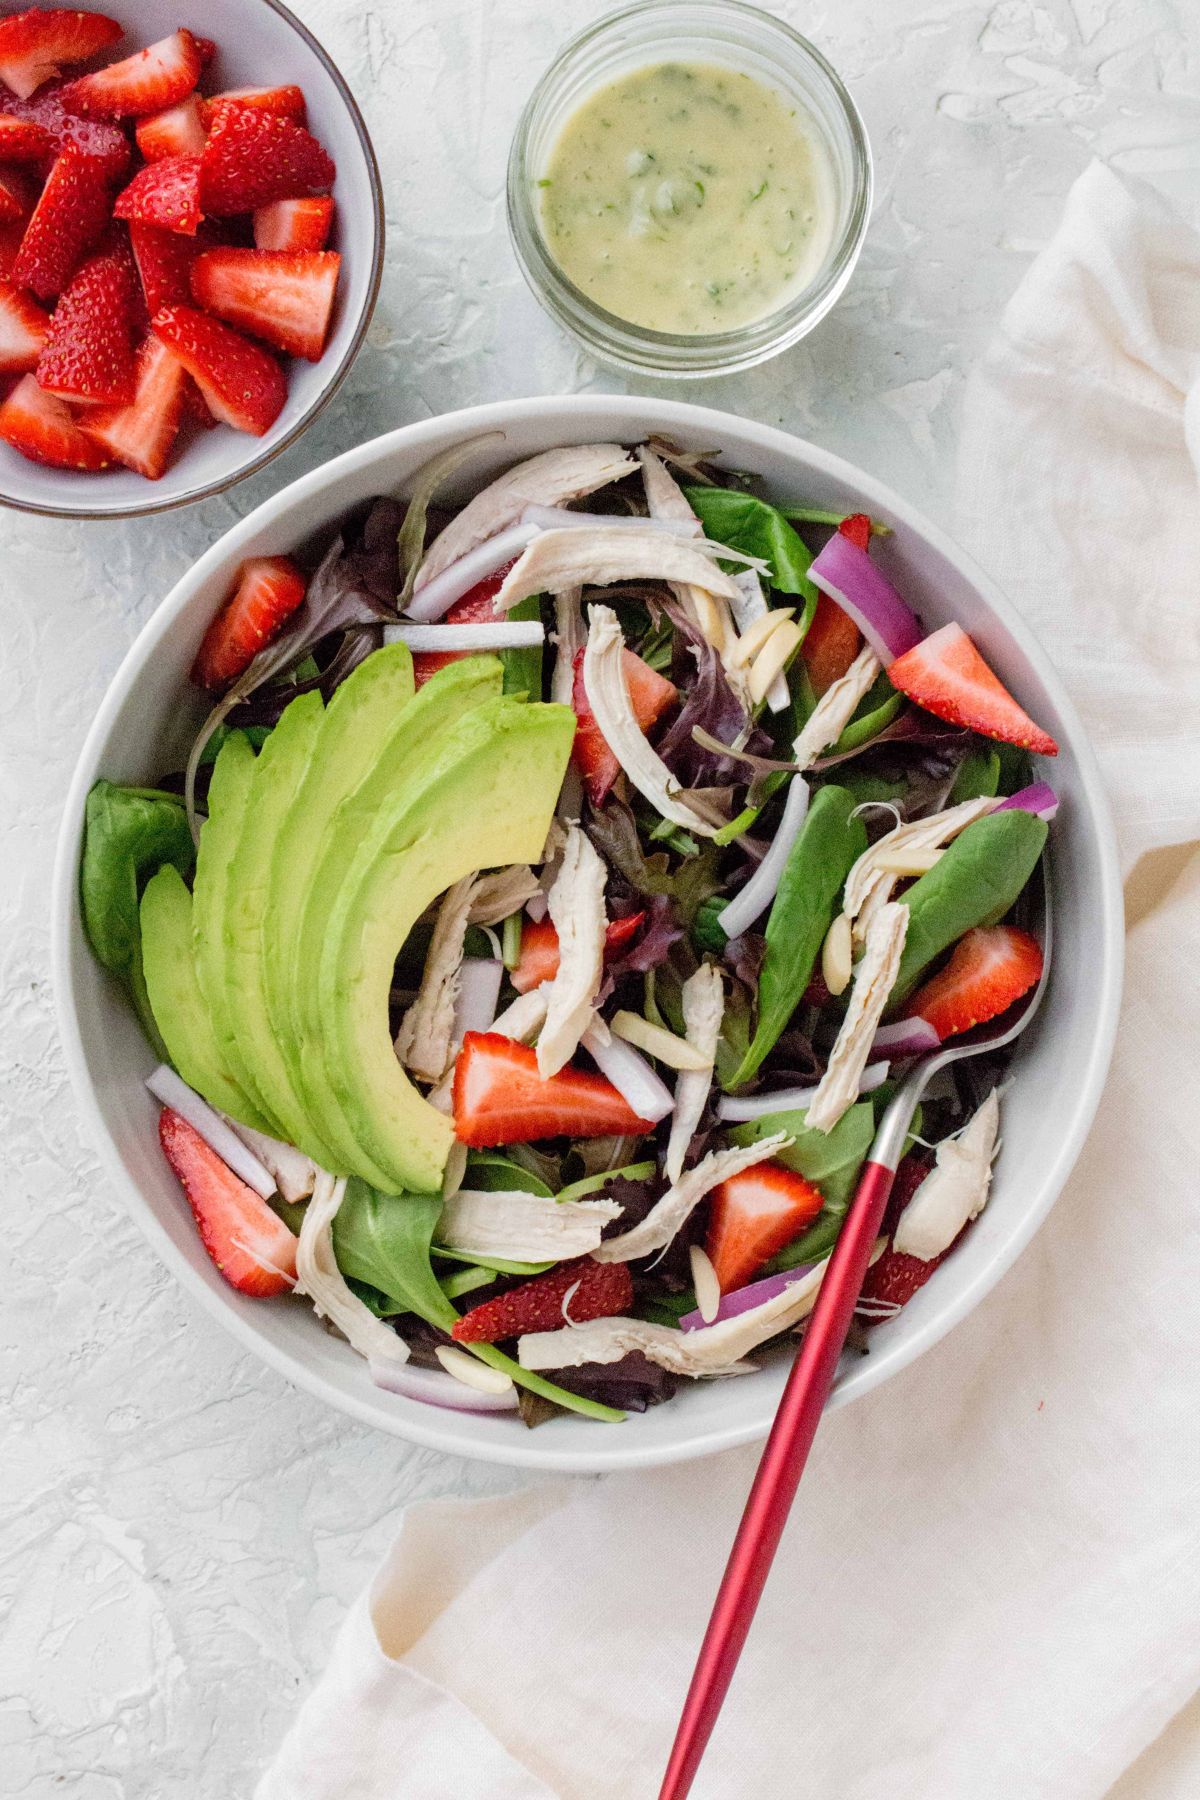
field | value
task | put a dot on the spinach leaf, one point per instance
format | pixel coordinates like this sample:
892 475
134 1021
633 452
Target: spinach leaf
801 913
978 776
878 709
494 1173
383 1240
746 523
129 833
974 882
523 668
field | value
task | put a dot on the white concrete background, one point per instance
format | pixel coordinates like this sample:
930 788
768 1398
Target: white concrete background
180 1532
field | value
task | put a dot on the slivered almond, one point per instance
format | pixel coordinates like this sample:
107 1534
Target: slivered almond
772 659
471 1372
837 955
756 635
656 1041
704 1281
907 862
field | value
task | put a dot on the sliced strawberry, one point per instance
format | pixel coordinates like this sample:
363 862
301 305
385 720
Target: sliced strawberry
858 529
177 131
94 137
472 609
147 82
910 1173
195 407
241 383
88 356
284 296
947 676
164 264
41 428
23 330
650 695
571 1293
269 590
206 50
755 1214
294 224
17 195
10 243
68 219
539 948
499 1097
250 1244
991 967
254 157
23 140
35 45
891 1283
141 435
166 194
285 102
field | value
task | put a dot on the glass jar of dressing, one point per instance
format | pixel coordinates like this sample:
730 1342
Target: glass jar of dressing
689 187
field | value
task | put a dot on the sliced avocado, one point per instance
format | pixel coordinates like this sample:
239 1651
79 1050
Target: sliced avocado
180 1009
328 842
486 801
246 1034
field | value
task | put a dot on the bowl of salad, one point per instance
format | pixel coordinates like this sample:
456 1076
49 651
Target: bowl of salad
502 887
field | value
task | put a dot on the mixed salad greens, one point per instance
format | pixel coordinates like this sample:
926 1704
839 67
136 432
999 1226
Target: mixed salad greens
552 894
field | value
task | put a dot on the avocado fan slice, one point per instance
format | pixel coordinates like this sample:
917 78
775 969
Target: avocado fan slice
322 837
180 1009
487 801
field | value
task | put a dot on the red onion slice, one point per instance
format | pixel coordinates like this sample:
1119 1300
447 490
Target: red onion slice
168 1087
744 1299
735 1110
905 1037
1040 798
437 1389
848 575
505 634
759 891
437 596
562 518
636 1082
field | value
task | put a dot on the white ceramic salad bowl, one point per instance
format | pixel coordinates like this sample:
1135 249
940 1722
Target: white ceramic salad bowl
147 719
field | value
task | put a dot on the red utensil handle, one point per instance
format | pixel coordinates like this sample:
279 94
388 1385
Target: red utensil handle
777 1478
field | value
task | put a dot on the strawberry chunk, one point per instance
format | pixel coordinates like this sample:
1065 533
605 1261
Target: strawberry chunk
857 527
166 194
250 1244
35 45
946 675
573 1292
88 356
146 82
42 429
241 384
67 220
990 969
499 1097
164 263
891 1283
16 196
269 590
24 328
254 157
284 296
23 140
294 224
107 144
142 434
206 50
830 645
539 948
754 1215
10 243
285 102
195 407
177 131
650 695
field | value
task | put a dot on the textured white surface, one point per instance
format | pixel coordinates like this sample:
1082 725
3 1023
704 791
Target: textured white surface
180 1531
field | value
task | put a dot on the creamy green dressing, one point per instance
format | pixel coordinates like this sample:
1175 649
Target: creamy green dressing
688 198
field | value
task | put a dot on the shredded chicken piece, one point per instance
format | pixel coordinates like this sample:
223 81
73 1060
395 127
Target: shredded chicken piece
710 1350
608 696
425 1039
874 979
526 1016
294 1173
522 1227
868 887
673 1209
703 1011
955 1190
570 635
596 558
550 479
836 707
505 892
318 1276
665 499
576 906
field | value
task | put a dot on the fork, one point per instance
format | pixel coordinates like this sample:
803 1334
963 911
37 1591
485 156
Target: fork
807 1389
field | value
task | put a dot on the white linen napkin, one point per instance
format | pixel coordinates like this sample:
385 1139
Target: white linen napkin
991 1583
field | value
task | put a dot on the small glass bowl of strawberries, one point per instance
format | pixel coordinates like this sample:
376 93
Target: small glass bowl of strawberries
191 240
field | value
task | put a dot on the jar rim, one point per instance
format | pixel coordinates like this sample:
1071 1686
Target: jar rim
641 347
